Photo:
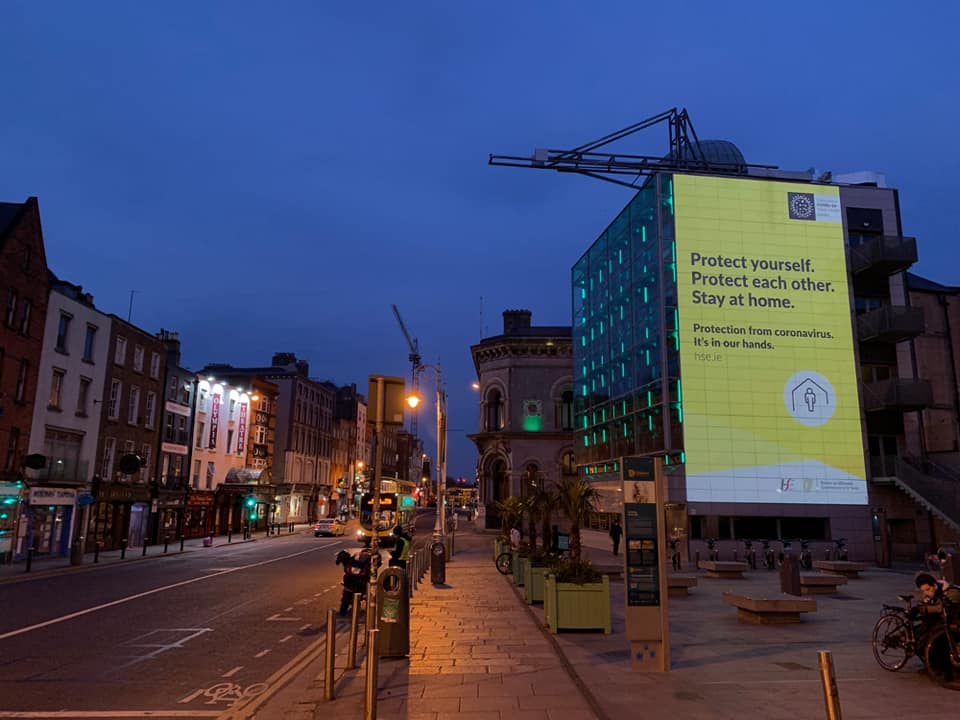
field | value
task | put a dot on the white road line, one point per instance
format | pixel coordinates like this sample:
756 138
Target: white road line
304 627
146 593
231 673
262 653
78 714
282 618
288 609
191 696
285 638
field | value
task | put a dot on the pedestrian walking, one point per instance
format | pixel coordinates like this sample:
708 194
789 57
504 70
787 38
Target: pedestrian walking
616 532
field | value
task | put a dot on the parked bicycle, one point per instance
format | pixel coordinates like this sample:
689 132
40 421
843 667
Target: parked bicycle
675 553
504 563
786 547
769 557
749 554
841 548
806 557
713 552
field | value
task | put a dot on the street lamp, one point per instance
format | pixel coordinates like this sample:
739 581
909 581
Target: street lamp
413 401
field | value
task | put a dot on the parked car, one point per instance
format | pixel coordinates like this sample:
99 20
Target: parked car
328 526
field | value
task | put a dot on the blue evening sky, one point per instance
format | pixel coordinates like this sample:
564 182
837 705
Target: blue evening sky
271 176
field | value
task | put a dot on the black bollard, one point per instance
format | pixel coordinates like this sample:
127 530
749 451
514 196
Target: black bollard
144 547
29 559
123 549
181 543
166 543
96 551
229 534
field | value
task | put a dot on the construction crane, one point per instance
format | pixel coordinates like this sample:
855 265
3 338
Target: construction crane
414 358
686 155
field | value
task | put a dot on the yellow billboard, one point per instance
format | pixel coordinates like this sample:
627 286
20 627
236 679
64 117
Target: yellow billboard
771 412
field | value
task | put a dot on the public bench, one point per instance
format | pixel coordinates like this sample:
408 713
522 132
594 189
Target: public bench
820 584
719 569
679 585
780 610
847 569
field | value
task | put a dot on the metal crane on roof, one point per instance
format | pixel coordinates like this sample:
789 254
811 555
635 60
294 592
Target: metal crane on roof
415 361
686 155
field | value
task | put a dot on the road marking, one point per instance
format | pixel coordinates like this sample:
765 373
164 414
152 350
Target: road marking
231 673
192 695
304 627
145 593
262 653
162 648
282 618
77 714
284 639
288 609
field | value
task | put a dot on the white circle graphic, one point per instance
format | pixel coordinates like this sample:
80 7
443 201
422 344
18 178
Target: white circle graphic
809 398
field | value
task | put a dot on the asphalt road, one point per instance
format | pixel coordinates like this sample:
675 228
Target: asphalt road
178 636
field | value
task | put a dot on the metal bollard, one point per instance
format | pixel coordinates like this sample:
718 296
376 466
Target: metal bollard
29 559
123 549
181 543
370 691
144 547
96 551
166 543
229 534
831 695
354 631
331 654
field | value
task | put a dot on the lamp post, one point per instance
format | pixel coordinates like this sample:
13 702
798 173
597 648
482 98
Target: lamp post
413 401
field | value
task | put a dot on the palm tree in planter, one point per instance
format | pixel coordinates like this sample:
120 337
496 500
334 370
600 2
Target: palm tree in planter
576 499
576 596
547 503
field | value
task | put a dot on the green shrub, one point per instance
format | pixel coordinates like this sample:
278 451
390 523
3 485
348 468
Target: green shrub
579 572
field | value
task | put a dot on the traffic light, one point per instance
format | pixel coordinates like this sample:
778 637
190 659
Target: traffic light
251 505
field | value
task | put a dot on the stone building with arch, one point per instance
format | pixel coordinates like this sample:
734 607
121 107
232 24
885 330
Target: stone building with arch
525 438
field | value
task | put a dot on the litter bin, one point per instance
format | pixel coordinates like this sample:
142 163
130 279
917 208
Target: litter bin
393 608
438 562
76 552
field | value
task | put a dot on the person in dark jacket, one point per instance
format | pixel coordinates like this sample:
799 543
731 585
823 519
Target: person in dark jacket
616 532
401 548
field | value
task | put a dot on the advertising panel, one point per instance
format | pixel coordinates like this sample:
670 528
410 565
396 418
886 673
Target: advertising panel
771 411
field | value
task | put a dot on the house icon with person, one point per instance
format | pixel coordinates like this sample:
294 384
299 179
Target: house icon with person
809 397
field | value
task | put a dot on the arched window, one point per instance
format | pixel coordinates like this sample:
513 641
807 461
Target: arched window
565 410
494 419
568 464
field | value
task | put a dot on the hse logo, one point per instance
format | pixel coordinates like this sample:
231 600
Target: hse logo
813 206
797 485
809 398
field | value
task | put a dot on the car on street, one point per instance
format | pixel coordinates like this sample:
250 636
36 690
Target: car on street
328 526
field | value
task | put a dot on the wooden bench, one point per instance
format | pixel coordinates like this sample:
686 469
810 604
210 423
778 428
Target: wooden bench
847 569
780 610
820 584
718 569
679 585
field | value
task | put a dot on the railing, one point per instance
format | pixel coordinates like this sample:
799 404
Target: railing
941 494
900 393
890 323
889 253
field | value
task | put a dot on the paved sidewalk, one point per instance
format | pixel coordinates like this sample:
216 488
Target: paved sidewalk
479 652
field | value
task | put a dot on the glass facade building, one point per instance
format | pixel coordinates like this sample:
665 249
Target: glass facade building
626 353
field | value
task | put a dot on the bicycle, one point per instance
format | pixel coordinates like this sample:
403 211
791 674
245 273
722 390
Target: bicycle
675 553
504 563
942 649
749 554
769 557
897 635
712 549
806 557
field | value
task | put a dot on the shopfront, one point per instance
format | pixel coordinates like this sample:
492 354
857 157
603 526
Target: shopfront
120 513
198 517
50 519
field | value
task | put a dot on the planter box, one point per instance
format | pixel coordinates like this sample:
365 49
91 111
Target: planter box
498 547
567 606
519 564
533 583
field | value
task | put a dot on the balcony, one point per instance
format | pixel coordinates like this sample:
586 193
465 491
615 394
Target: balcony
66 471
890 324
899 394
883 255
